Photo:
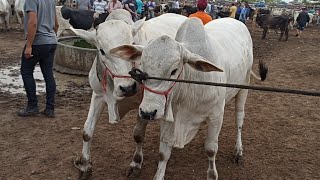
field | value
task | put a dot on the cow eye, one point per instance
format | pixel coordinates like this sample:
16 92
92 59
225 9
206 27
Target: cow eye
102 52
174 72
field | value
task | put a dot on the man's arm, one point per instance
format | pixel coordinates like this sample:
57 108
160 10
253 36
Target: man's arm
56 24
32 29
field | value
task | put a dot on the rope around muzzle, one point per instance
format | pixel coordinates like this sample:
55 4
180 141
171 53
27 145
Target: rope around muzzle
140 76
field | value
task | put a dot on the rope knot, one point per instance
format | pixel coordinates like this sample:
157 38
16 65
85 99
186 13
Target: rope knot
138 75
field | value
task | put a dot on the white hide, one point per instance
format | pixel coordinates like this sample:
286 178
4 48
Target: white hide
223 44
118 29
63 24
18 7
114 33
4 14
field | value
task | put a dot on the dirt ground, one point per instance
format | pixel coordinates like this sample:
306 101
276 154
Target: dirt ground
281 134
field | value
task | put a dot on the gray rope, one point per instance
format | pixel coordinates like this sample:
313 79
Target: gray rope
139 76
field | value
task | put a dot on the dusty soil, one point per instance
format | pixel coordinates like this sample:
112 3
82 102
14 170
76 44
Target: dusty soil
281 134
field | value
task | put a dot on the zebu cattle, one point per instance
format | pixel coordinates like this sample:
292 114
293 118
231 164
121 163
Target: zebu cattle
265 20
18 7
109 76
197 54
4 14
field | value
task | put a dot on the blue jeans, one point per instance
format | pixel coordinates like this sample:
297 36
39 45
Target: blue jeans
44 55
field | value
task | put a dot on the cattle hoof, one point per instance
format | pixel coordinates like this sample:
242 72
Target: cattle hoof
239 160
85 175
134 172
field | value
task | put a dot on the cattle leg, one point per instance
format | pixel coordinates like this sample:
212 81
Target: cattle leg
211 144
282 31
240 101
96 107
164 152
6 22
138 135
264 33
287 34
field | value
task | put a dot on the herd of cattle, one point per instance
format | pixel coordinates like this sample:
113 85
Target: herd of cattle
168 46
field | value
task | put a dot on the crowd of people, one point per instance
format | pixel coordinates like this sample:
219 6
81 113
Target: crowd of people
141 8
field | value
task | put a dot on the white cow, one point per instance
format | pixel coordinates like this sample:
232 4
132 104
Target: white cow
18 6
198 53
109 76
4 14
63 24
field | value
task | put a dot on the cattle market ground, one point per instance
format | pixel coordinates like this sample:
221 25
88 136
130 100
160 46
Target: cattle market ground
281 133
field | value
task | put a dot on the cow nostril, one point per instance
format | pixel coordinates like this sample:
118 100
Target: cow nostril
134 86
123 89
153 113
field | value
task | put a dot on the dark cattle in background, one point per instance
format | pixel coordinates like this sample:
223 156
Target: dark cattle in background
82 19
175 10
266 21
187 9
223 14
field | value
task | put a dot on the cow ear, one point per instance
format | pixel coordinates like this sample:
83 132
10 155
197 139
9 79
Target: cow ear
199 63
130 53
137 26
89 36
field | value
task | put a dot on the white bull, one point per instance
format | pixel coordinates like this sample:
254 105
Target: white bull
198 53
4 14
18 7
109 76
63 24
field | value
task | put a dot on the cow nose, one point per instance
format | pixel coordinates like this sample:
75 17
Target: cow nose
129 90
148 115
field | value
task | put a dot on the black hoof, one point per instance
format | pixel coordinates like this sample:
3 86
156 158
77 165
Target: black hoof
239 160
133 172
85 175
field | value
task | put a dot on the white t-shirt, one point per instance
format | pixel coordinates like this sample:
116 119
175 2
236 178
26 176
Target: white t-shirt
175 4
99 6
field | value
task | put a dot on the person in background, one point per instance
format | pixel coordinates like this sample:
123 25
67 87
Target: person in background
139 7
233 10
243 14
131 6
239 8
83 4
201 6
151 6
175 4
40 26
302 20
113 5
99 6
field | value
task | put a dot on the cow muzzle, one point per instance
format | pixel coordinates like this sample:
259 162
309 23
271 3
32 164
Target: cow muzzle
129 90
148 115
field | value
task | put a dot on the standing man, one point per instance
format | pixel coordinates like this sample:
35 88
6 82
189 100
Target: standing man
131 6
204 17
41 26
302 20
99 6
113 5
83 4
233 11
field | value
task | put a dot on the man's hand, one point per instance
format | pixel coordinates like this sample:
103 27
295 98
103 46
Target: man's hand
28 52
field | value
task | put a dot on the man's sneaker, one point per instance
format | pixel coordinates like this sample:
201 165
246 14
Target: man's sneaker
28 112
48 113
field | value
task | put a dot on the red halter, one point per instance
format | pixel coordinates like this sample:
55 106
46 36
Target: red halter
107 70
164 93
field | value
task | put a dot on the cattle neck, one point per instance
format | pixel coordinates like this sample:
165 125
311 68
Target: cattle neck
107 71
164 93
